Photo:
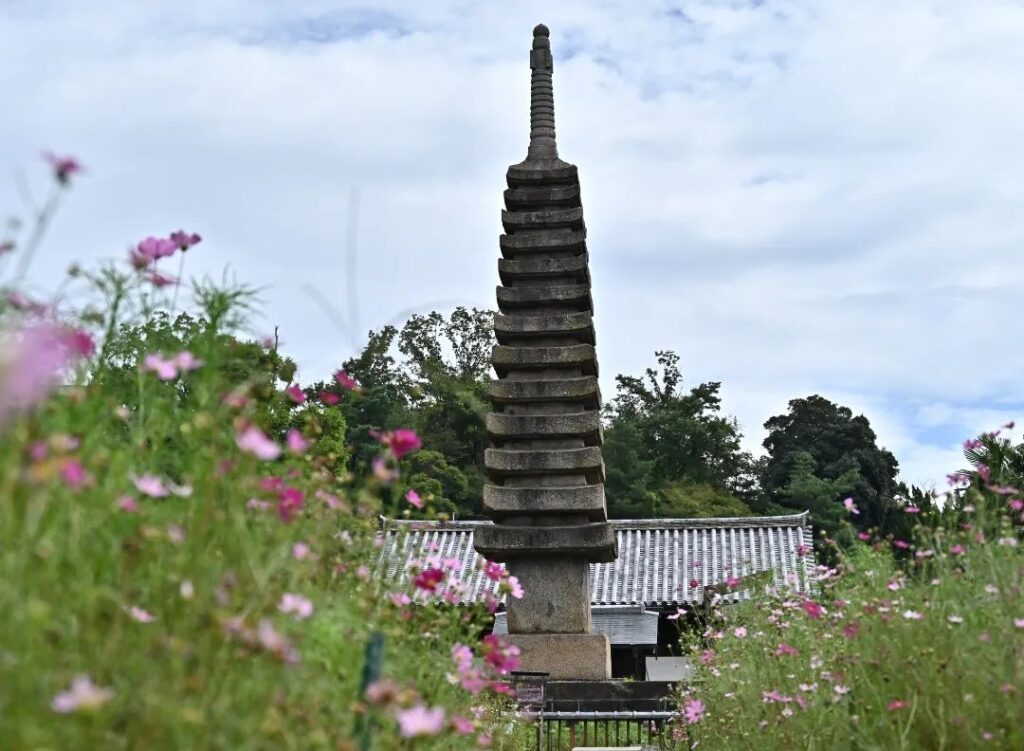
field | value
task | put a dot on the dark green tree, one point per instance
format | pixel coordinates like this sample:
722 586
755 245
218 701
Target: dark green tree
820 452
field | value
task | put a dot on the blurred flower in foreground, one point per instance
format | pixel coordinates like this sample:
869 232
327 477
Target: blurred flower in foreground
83 695
32 360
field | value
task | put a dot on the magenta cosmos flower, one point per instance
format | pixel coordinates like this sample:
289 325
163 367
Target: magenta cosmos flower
63 166
184 240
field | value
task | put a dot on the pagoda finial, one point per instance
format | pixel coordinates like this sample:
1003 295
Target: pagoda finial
542 98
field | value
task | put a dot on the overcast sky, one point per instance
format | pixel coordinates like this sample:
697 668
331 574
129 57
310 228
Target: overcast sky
798 197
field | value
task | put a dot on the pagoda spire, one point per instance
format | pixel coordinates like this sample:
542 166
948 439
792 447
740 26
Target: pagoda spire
542 98
545 490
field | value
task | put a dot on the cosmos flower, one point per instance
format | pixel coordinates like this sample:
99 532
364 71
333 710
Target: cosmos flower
83 695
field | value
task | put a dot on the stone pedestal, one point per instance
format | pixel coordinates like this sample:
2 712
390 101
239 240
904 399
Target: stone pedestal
565 656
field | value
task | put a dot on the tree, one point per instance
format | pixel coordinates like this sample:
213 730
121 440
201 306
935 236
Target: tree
660 436
820 453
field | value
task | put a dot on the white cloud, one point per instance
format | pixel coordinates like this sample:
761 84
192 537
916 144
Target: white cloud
797 197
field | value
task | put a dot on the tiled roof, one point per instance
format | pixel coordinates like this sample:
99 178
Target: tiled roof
657 560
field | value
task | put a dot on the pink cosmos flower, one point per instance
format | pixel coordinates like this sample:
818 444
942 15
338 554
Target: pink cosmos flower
289 502
693 711
675 616
295 393
127 504
785 649
329 398
813 609
500 654
515 588
276 643
184 240
900 544
141 615
848 504
258 505
429 579
1016 504
803 550
841 689
346 381
731 582
419 720
912 615
63 166
186 361
151 485
83 695
399 442
186 590
254 441
958 550
863 536
295 604
32 359
912 510
300 551
462 726
494 571
155 248
166 370
414 499
383 471
73 474
1018 622
400 599
296 443
739 632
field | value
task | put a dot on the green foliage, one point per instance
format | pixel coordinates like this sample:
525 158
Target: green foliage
668 450
819 453
923 653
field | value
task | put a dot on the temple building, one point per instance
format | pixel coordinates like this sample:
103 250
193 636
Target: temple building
663 565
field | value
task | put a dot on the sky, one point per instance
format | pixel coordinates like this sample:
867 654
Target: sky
797 197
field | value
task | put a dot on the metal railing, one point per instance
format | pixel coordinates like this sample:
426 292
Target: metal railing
563 731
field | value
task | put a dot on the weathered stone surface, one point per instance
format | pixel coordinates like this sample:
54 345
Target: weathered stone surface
543 242
501 501
544 195
579 325
585 389
505 358
539 172
585 425
565 656
593 542
560 596
586 461
552 218
576 296
524 269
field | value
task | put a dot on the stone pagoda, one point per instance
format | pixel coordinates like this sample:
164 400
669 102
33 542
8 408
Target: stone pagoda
545 491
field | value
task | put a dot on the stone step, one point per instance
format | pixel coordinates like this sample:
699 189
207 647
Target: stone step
576 296
576 267
500 501
506 358
511 327
553 172
555 218
586 461
533 243
585 425
594 542
531 197
514 391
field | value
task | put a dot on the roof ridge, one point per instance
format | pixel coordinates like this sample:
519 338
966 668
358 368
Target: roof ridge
735 522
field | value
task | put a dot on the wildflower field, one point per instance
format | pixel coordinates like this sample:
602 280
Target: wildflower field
187 561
